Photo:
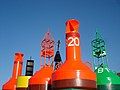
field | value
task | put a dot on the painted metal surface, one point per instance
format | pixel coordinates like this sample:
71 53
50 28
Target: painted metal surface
29 67
23 81
57 57
17 70
73 73
106 78
41 80
47 46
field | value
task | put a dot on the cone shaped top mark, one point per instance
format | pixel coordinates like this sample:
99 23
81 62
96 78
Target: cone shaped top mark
72 25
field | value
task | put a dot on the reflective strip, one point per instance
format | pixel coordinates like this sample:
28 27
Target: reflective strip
17 69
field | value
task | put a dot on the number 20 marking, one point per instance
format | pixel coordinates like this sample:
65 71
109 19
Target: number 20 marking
73 41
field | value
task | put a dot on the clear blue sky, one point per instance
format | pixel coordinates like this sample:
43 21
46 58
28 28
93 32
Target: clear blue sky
23 24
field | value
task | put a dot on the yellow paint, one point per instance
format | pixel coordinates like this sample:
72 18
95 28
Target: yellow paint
22 81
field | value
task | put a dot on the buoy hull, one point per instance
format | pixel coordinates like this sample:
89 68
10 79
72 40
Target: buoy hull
109 87
40 87
21 88
74 84
74 89
73 73
41 80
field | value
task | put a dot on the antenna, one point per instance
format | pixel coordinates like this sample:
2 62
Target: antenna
58 45
30 57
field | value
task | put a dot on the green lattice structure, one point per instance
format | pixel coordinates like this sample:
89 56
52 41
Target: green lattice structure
99 51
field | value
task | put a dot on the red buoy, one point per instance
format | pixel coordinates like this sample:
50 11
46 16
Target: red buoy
17 71
73 73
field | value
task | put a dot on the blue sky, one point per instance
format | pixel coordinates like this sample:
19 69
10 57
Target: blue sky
23 24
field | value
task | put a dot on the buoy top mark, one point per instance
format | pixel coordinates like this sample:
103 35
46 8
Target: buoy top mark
72 25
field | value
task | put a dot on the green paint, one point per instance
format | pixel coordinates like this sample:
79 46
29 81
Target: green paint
99 51
106 76
98 46
108 87
106 79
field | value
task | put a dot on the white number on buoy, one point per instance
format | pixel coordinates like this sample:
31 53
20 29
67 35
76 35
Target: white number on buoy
73 41
100 70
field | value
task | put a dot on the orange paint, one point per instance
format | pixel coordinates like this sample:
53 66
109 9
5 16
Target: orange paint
73 67
17 70
42 76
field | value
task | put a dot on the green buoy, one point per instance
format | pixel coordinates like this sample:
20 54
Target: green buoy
106 78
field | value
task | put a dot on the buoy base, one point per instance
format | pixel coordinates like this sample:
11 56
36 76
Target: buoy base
40 87
21 88
74 83
74 89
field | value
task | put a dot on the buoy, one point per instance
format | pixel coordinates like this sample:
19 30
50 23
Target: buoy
106 78
41 80
73 74
17 71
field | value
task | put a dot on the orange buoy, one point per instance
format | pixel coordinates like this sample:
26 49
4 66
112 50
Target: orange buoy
17 70
41 80
73 74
